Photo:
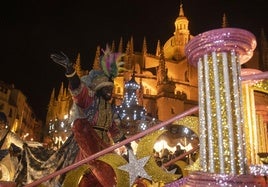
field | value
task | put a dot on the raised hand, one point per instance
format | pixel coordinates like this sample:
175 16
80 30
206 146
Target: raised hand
63 60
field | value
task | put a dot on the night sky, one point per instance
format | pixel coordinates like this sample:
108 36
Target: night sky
30 30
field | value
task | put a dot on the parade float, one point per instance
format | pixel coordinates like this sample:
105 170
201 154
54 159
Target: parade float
231 126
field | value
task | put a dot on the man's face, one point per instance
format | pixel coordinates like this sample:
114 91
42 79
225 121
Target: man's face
106 92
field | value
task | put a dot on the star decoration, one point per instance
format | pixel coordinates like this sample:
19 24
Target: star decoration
135 168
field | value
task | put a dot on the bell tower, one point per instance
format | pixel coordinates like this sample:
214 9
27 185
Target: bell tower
174 47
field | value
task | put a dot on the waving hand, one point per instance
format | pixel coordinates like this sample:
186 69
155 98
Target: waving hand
63 60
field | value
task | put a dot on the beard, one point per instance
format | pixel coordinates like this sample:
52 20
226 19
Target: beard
106 93
107 96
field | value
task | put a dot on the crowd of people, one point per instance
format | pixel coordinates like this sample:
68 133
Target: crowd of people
167 159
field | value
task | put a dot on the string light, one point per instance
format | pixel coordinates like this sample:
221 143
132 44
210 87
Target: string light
133 115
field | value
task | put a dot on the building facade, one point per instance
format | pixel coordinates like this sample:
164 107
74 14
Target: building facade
20 115
168 83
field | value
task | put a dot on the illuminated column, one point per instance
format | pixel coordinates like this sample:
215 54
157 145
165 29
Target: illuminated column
250 118
262 113
218 55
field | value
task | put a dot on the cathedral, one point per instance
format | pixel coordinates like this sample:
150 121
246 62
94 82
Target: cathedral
168 83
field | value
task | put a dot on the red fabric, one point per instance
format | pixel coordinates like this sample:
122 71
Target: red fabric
83 99
101 175
90 143
87 138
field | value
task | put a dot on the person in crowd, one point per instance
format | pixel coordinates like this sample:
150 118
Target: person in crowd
179 151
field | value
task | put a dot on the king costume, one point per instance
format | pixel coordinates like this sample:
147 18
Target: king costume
94 127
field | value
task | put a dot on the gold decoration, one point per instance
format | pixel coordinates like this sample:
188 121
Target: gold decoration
261 86
115 160
182 165
145 148
190 122
147 183
255 137
74 177
264 160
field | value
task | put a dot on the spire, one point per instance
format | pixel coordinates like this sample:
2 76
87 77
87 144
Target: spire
113 46
181 12
128 61
61 92
144 47
128 48
181 27
96 64
131 45
77 67
51 107
52 97
65 92
164 85
161 75
158 49
162 62
144 53
224 21
120 46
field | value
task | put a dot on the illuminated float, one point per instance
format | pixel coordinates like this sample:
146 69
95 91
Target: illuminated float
218 55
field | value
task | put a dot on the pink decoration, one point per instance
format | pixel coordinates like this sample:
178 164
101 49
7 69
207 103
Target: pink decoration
220 40
258 76
203 179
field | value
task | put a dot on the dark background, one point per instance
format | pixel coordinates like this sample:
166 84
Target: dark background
30 30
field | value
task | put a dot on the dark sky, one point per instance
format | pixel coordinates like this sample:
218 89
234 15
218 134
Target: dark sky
30 30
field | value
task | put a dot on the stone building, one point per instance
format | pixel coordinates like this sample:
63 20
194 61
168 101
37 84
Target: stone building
20 115
168 82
